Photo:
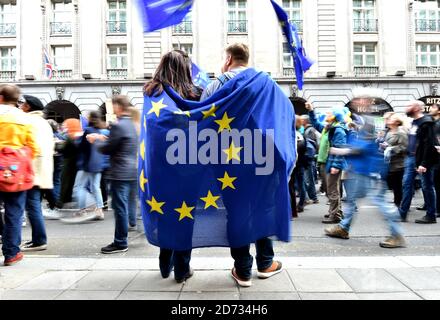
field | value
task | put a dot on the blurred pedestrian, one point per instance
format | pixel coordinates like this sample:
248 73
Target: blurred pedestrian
435 114
312 137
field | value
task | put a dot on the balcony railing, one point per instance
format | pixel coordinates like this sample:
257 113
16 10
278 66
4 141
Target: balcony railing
116 27
62 74
7 75
288 72
8 30
365 71
365 25
299 24
425 25
60 29
237 26
117 73
183 28
429 71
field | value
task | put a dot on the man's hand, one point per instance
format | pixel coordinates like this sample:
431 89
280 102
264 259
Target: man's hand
421 169
334 171
91 138
437 148
309 106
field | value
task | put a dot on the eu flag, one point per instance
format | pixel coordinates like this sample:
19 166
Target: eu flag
301 62
200 77
159 14
216 173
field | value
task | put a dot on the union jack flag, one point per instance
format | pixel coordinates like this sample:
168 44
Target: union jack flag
48 66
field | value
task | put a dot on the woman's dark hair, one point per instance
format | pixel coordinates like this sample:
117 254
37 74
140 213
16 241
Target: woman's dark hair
95 120
174 70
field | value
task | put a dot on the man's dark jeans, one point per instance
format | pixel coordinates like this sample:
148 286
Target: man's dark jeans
177 259
310 181
14 209
35 216
244 260
120 203
57 170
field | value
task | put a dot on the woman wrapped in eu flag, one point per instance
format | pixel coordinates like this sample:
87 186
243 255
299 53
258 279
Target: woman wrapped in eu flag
174 71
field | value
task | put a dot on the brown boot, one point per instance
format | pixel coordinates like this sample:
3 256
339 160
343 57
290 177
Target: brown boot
393 242
337 232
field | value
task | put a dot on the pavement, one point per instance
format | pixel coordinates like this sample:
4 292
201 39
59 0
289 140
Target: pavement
315 267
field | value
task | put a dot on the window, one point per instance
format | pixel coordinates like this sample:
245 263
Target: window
117 16
293 9
187 47
427 15
287 56
8 59
185 27
62 18
428 55
364 54
117 57
364 17
7 20
63 59
237 22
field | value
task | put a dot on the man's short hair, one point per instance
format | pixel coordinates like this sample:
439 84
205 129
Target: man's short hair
10 93
239 52
123 102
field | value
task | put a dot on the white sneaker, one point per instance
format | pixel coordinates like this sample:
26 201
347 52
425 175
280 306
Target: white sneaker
99 214
80 217
51 214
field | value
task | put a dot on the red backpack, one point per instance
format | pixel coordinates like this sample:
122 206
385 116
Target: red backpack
16 171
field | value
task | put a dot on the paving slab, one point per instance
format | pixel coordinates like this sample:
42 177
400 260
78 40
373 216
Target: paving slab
210 296
55 263
269 296
321 280
278 283
371 280
421 261
418 278
31 294
105 281
343 262
126 264
88 295
388 296
153 281
53 280
211 281
11 278
327 296
137 295
429 294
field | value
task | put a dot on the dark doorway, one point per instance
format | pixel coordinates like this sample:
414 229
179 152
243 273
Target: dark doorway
60 110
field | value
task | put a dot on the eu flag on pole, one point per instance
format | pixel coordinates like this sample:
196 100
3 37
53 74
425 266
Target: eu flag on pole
200 77
301 62
202 175
159 14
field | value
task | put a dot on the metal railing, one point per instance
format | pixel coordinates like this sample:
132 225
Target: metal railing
288 72
117 73
428 70
299 25
60 29
7 75
365 71
184 27
62 74
237 26
365 25
116 27
425 25
8 30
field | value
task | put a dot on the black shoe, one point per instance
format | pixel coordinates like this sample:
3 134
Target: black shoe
421 208
188 275
438 215
112 248
300 209
165 274
426 220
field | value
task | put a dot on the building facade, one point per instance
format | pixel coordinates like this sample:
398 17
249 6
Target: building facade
390 47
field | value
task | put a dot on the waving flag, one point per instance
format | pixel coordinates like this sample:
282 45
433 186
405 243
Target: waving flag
199 178
301 62
200 78
159 14
48 66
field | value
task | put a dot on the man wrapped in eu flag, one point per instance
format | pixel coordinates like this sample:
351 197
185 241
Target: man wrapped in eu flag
215 173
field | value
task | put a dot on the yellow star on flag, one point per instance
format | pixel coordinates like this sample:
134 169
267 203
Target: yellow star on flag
185 211
224 123
210 200
145 123
142 181
157 106
180 112
233 152
210 112
227 181
142 149
155 206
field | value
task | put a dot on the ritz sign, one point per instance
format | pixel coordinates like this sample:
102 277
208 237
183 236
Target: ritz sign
429 101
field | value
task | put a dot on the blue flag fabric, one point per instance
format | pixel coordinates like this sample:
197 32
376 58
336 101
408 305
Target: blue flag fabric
159 14
200 77
188 203
301 62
